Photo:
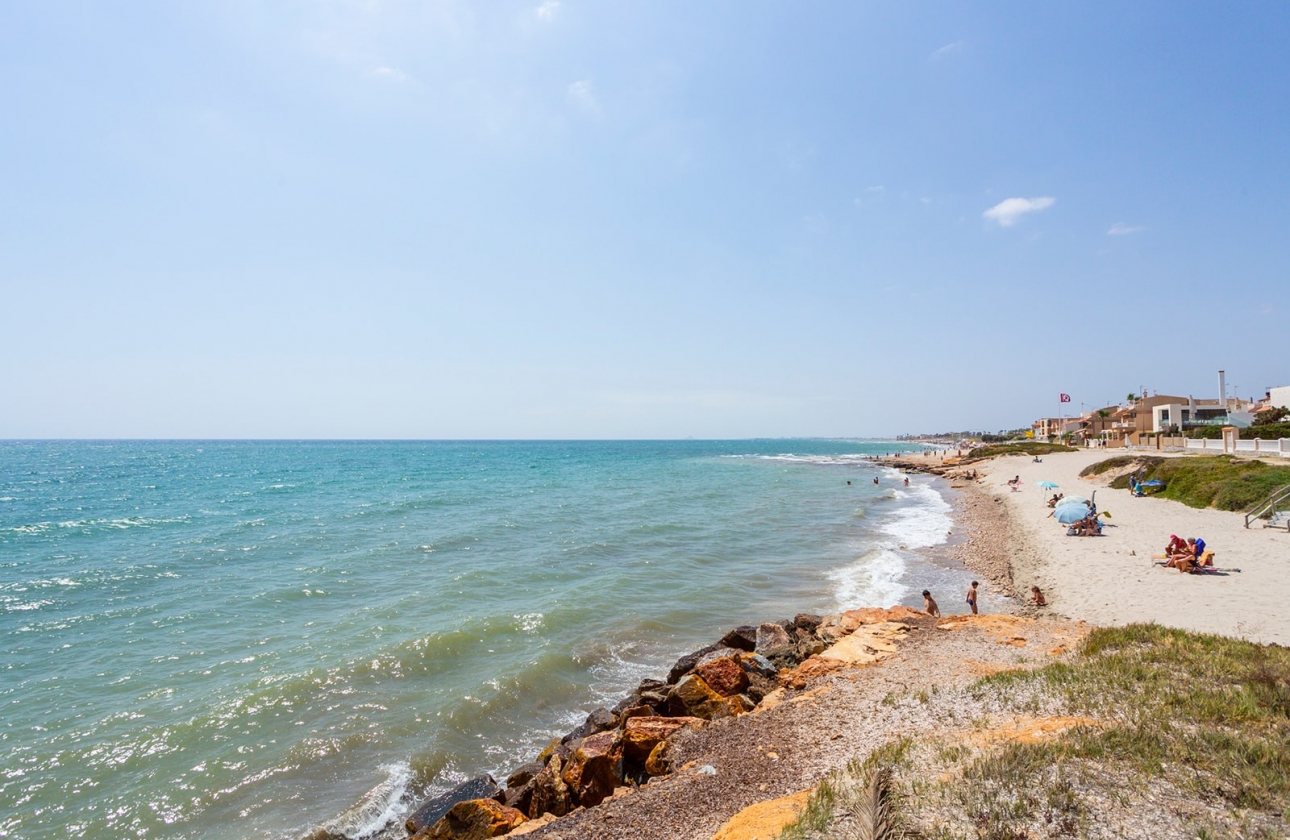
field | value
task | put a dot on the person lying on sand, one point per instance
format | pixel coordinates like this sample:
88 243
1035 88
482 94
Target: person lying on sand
1057 497
1037 597
929 605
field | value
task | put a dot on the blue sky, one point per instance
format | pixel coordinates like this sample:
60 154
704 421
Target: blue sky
603 220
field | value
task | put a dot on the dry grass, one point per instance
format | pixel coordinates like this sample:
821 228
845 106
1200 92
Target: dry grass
1193 739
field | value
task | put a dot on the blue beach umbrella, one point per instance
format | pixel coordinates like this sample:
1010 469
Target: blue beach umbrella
1155 482
1047 485
1072 500
1069 514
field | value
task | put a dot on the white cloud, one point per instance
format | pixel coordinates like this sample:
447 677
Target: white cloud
581 94
1121 229
1010 210
547 10
390 74
947 50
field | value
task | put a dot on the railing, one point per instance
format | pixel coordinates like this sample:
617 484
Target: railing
1262 447
1268 505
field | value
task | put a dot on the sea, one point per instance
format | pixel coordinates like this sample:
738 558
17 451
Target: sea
267 639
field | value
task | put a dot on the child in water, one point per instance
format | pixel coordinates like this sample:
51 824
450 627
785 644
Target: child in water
929 605
971 596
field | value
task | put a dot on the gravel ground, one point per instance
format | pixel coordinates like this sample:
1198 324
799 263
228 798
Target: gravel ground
837 717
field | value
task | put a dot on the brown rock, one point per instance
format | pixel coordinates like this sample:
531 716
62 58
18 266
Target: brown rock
659 762
592 771
724 676
520 796
771 636
550 793
741 638
695 698
807 621
642 734
637 711
474 819
811 668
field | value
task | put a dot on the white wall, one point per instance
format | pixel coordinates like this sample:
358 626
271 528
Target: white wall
1280 396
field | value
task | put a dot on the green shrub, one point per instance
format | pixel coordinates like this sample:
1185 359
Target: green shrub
1220 481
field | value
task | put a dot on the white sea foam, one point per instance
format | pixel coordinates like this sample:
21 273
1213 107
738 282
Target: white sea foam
380 807
872 580
921 519
830 460
922 522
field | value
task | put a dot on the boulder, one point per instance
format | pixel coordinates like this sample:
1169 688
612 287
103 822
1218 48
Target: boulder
637 711
771 636
521 796
741 638
807 621
550 793
759 687
782 657
755 663
657 699
473 819
695 698
594 769
723 675
651 685
686 663
808 647
523 774
432 810
642 734
546 754
659 762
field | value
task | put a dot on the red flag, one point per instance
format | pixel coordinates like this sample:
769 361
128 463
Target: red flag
1066 397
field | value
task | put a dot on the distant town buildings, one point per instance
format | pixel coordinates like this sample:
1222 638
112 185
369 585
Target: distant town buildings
1138 418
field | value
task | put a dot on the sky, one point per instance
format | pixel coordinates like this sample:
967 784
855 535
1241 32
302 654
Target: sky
564 219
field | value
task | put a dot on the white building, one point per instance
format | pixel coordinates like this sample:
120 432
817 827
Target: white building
1279 397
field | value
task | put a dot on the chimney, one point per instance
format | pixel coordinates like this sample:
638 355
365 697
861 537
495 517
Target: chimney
1222 389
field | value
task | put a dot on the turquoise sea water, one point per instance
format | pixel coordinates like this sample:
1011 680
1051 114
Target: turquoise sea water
266 639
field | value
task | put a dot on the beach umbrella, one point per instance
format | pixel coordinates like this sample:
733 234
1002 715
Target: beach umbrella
1155 482
1072 500
1071 513
1047 485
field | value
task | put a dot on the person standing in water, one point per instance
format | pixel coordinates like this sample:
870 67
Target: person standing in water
971 596
929 604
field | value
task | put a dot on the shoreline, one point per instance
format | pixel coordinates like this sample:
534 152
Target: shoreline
817 717
978 543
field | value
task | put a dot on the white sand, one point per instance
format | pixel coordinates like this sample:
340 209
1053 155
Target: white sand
1110 580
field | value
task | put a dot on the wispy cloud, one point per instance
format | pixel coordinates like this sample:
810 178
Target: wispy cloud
581 94
391 74
1009 211
1121 229
947 51
547 10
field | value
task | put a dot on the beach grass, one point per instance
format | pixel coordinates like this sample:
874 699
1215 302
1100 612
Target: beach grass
1192 718
1201 481
1019 448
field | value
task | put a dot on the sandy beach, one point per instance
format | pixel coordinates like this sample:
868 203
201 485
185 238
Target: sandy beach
1110 580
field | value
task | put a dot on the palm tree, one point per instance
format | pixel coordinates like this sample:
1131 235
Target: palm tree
1132 398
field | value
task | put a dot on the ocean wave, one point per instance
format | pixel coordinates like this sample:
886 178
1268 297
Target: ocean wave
119 524
844 459
921 523
376 810
872 580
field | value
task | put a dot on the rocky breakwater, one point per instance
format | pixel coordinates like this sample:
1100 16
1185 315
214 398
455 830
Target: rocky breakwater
617 750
